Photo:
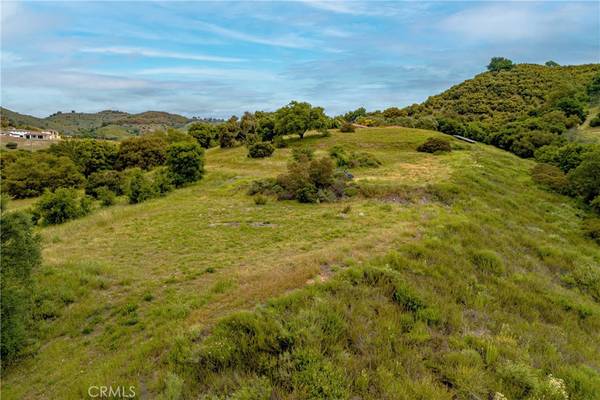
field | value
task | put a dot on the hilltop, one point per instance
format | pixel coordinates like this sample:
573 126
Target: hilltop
450 276
104 124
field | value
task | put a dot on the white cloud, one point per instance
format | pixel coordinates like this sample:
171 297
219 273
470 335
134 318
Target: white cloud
286 40
138 51
210 73
518 21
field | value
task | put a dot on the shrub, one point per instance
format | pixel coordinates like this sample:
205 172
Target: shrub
185 162
551 177
111 180
21 254
31 173
279 142
139 187
594 122
260 150
106 196
203 133
585 179
302 154
354 159
145 152
162 181
591 229
260 200
89 155
61 206
268 186
11 145
435 145
347 127
226 139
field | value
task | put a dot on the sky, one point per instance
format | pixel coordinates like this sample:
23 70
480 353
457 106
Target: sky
216 59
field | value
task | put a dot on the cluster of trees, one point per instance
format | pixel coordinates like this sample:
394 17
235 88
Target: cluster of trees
262 131
140 167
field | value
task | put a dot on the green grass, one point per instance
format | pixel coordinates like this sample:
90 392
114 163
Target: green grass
584 132
444 292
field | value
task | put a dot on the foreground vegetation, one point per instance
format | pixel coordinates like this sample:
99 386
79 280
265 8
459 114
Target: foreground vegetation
448 275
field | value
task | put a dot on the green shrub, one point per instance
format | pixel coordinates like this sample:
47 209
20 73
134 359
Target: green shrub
185 161
61 205
226 139
585 179
268 186
347 127
594 122
302 154
111 180
162 180
88 154
21 254
260 150
106 196
203 133
435 145
591 228
279 142
11 145
260 200
139 187
551 177
145 152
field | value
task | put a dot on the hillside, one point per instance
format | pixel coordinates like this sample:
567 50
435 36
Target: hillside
453 276
104 124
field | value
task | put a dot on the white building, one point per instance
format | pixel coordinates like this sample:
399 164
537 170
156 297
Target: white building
34 135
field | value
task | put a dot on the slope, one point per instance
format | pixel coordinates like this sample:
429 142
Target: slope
128 295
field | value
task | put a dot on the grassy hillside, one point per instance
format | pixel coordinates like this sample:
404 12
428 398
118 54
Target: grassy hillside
104 124
586 133
453 276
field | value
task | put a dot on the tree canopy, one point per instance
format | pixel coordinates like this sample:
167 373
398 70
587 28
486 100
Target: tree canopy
296 118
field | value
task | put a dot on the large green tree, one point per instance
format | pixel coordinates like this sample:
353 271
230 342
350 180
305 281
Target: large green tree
499 64
204 133
145 152
88 154
185 162
296 118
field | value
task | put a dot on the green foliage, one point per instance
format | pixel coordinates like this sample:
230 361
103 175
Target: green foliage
571 106
585 179
106 196
139 187
566 157
435 145
145 152
204 133
260 200
591 229
111 180
89 155
162 180
594 122
29 174
260 150
185 162
21 254
344 159
347 127
12 145
593 88
303 154
500 64
352 116
551 64
61 206
551 177
296 118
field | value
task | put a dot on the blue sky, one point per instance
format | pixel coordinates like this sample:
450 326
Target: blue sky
222 58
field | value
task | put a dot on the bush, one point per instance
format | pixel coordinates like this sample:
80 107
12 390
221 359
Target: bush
302 154
260 150
89 155
145 152
591 229
435 145
585 179
31 173
185 162
61 206
21 254
260 200
594 122
106 196
347 127
11 145
203 133
354 159
551 177
111 180
162 181
279 142
226 139
139 187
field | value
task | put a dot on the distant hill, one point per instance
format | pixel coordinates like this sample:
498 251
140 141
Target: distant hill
107 123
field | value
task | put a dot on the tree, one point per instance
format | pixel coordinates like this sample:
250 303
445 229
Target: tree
571 106
88 154
228 132
21 254
552 64
61 206
203 133
352 116
139 187
297 118
248 126
499 64
265 125
585 179
185 162
111 180
31 173
145 152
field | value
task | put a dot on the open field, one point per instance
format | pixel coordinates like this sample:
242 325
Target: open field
124 287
